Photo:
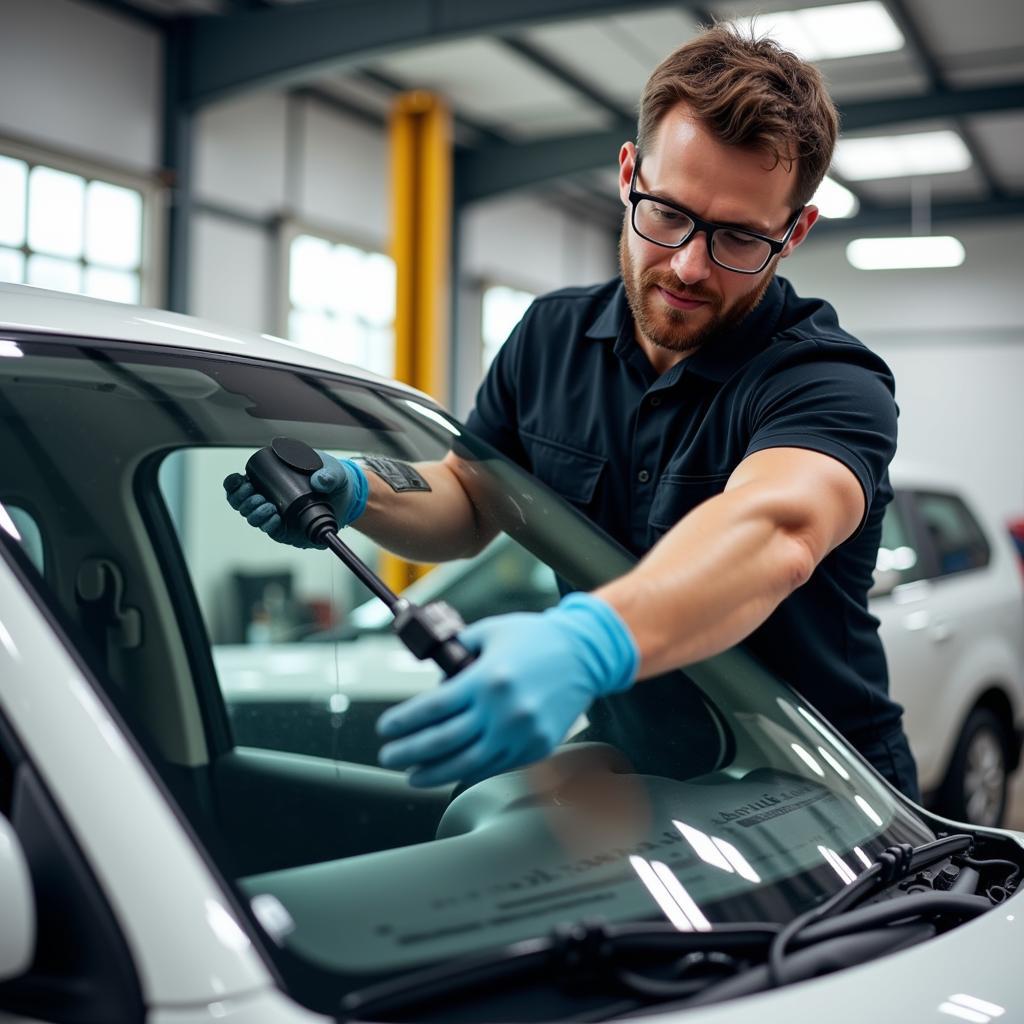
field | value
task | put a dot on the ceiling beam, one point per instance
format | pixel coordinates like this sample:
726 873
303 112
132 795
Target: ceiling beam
287 43
918 45
900 217
558 71
492 169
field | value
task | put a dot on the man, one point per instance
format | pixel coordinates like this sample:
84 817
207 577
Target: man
709 419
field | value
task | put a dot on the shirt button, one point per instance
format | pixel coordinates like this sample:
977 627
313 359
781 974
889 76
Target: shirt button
643 476
655 400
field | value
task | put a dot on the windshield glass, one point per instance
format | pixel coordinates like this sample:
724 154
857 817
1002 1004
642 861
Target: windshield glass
253 673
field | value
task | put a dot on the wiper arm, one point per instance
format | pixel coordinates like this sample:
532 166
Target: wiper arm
893 865
589 952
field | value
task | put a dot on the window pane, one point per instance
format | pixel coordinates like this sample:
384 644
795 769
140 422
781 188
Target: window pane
346 280
503 309
315 332
56 212
12 266
310 272
61 275
116 285
380 350
13 189
376 292
113 225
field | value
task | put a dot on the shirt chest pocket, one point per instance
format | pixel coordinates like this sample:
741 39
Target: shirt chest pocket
571 472
677 495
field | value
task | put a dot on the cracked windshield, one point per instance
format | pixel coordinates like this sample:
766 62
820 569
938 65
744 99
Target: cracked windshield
254 672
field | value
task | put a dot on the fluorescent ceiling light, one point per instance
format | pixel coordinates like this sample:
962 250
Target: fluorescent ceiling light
895 156
825 33
905 253
832 200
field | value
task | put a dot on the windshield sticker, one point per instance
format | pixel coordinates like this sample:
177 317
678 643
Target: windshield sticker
772 805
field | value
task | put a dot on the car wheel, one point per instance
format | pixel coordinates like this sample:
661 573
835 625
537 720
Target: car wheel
976 783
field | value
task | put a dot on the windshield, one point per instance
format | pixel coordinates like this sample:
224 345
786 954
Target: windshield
252 674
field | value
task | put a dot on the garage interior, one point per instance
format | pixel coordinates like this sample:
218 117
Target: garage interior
253 149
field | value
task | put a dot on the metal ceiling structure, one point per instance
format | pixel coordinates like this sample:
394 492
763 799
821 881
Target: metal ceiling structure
535 104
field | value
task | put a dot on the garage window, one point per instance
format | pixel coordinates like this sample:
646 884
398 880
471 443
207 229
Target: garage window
342 302
70 231
503 308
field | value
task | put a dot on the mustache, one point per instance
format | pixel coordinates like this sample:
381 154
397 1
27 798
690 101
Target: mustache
649 278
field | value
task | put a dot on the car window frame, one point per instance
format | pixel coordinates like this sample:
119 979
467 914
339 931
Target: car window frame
903 507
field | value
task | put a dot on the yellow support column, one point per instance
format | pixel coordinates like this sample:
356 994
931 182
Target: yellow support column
420 131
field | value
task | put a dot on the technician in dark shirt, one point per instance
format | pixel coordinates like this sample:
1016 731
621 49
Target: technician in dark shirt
709 419
573 399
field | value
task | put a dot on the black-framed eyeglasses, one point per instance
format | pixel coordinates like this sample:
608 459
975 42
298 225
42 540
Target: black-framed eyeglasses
670 225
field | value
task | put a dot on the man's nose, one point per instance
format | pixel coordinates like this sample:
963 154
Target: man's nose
691 263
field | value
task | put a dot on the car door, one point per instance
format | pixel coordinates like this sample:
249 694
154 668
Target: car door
943 628
902 599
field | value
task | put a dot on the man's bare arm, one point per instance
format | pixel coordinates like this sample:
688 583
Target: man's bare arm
427 526
726 566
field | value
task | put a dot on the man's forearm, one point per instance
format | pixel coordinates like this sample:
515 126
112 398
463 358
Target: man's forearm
712 580
424 526
728 564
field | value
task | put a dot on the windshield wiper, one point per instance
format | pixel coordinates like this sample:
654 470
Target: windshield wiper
894 864
585 953
727 961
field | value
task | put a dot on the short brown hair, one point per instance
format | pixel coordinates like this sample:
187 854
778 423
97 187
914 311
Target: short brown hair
751 93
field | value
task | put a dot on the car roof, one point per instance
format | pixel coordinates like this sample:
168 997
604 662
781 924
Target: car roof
27 309
911 474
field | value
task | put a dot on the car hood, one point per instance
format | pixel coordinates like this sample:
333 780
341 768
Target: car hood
948 978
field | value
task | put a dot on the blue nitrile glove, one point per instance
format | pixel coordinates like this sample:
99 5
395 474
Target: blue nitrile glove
535 674
341 480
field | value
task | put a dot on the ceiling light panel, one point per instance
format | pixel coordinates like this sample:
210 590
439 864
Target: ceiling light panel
920 252
895 156
833 200
831 32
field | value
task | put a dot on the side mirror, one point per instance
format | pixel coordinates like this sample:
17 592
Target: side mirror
18 934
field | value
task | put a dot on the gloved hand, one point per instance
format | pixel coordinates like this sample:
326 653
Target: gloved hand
534 675
341 480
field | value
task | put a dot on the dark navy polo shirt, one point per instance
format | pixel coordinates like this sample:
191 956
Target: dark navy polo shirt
572 398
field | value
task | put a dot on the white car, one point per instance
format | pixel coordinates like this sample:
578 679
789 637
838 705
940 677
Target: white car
949 597
732 859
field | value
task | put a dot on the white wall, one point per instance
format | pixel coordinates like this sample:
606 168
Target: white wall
955 341
81 80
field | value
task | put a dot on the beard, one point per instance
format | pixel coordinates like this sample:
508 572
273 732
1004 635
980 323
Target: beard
676 329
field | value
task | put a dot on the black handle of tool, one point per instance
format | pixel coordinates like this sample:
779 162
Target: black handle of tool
281 472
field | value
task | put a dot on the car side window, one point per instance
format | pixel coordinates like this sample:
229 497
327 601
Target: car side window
898 560
304 656
958 541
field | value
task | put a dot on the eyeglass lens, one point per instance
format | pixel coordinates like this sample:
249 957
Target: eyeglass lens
733 249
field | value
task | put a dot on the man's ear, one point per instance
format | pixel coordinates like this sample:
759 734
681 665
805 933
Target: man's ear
806 222
627 157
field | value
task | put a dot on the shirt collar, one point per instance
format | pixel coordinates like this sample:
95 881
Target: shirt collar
715 361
